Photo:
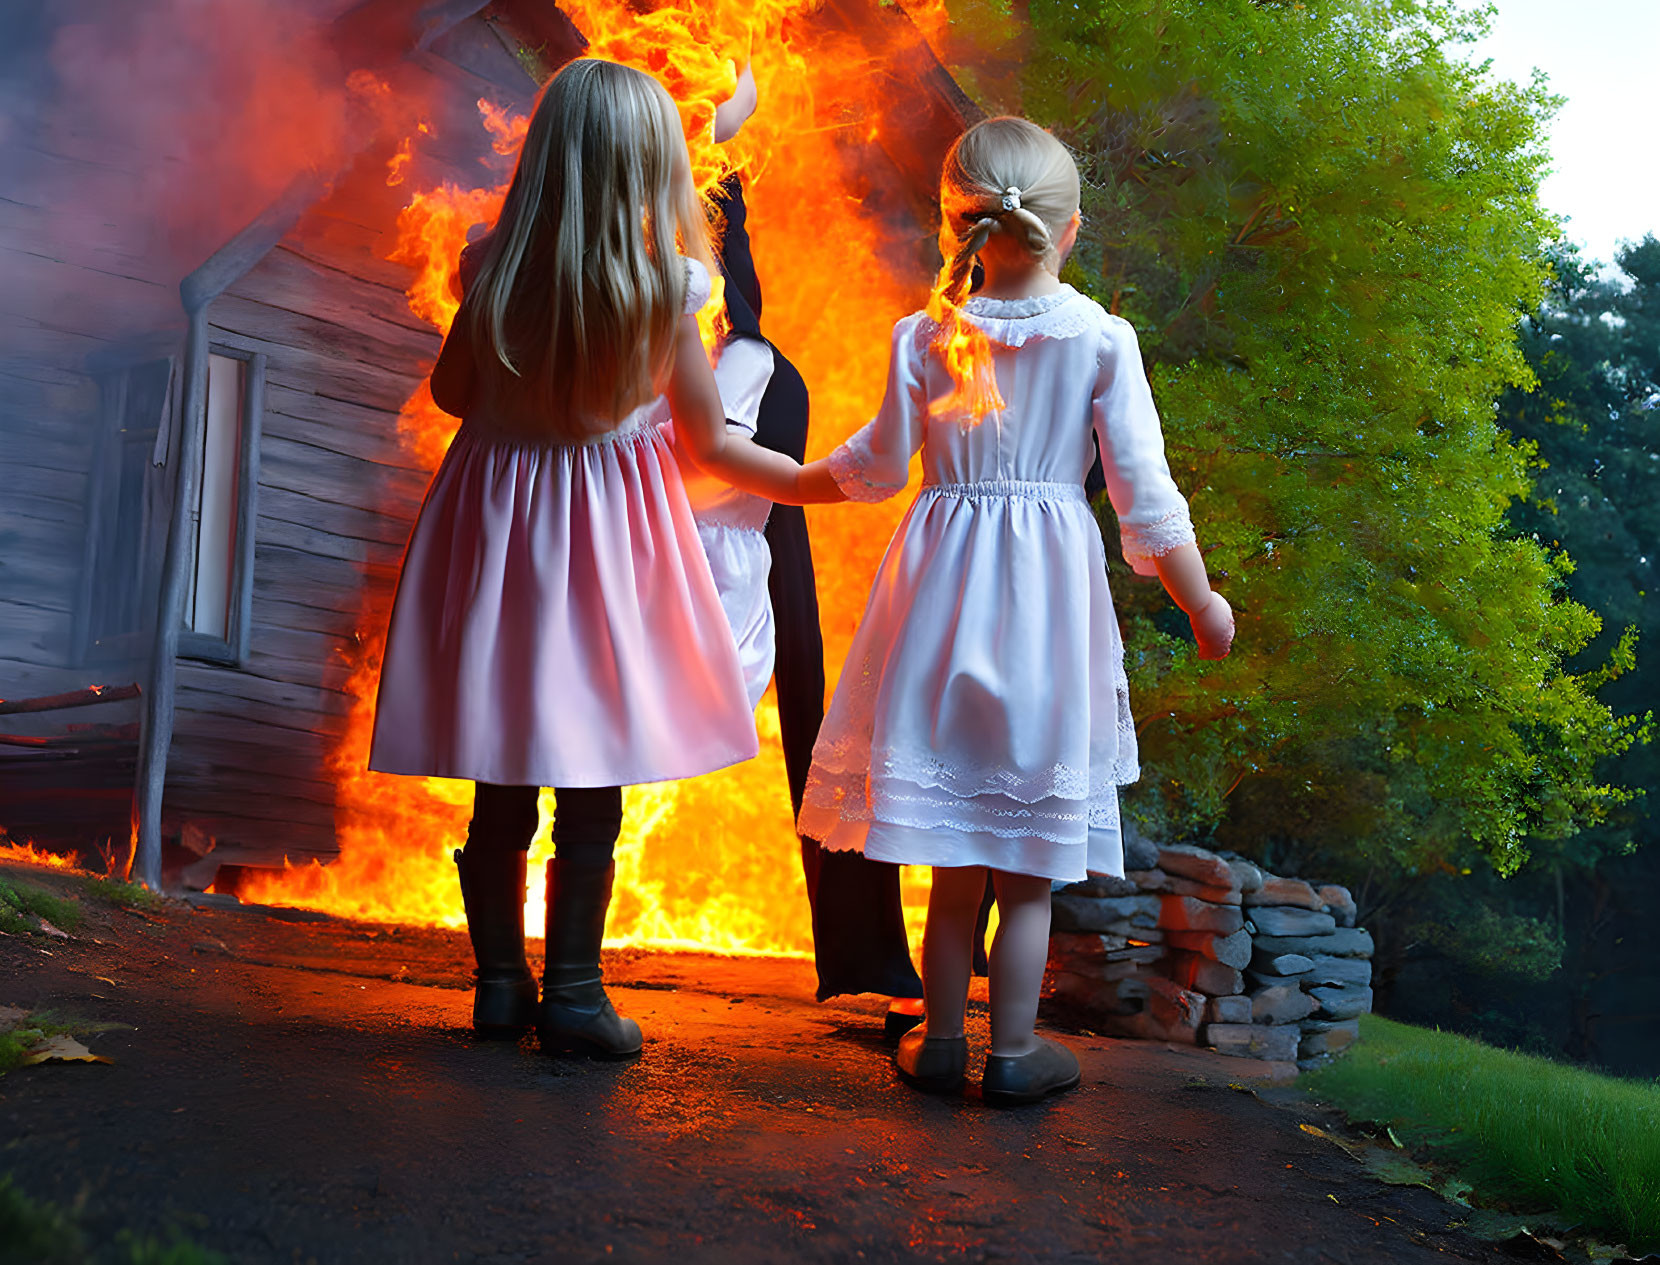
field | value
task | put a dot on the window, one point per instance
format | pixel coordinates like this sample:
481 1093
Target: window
219 583
130 497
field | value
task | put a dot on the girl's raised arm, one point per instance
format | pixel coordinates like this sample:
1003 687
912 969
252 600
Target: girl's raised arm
700 423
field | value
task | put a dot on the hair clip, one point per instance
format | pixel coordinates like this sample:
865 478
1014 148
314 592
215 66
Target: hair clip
1011 199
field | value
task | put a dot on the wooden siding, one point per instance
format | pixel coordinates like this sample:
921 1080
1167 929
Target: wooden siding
337 496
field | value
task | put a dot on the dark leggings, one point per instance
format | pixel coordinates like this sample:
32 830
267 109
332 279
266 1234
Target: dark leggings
586 821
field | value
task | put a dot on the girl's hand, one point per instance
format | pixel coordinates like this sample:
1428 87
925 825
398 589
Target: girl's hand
734 112
1213 627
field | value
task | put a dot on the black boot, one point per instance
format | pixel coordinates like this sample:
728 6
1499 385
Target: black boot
493 891
576 1015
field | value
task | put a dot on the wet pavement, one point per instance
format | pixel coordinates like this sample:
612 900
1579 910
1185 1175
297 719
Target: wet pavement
308 1091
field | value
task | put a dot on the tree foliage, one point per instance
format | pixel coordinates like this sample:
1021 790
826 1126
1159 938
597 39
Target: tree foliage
1594 423
1324 224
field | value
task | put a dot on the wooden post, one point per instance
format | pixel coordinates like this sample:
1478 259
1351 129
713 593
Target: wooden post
156 736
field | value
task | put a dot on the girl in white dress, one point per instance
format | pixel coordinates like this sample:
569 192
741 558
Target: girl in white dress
556 623
982 718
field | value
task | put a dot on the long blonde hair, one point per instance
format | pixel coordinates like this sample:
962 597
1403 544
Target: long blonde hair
1002 176
576 300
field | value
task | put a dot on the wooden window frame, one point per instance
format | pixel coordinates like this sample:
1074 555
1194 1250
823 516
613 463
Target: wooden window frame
231 650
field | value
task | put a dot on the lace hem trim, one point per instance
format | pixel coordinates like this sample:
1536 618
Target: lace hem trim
848 472
840 800
1155 539
842 760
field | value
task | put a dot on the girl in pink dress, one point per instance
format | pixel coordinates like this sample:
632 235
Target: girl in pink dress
556 623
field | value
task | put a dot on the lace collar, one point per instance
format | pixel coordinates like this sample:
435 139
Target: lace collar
1018 309
1011 322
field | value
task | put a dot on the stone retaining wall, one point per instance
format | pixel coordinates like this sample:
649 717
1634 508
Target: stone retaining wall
1208 948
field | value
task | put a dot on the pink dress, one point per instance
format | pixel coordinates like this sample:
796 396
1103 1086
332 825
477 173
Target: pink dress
556 623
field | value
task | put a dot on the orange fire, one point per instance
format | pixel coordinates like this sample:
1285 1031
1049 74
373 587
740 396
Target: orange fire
28 854
710 863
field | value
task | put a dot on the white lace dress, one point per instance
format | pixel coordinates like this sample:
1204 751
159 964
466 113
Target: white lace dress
732 524
983 716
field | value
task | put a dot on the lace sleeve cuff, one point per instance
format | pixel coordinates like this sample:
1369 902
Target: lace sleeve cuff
847 467
1144 543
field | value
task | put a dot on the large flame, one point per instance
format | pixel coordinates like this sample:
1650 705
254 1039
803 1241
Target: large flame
712 862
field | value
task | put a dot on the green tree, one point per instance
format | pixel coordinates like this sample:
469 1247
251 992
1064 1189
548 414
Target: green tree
1324 224
1594 421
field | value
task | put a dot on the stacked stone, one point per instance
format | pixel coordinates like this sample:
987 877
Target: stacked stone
1311 969
1153 955
1196 946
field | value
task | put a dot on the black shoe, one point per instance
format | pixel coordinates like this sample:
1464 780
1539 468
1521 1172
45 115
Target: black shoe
493 892
932 1064
897 1023
576 1016
1011 1081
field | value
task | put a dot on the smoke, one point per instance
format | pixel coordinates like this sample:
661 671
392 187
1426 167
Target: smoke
138 136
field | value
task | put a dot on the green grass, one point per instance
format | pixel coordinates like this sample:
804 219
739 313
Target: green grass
1521 1129
114 891
38 1233
19 900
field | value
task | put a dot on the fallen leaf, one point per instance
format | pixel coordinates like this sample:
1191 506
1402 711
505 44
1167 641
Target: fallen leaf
1353 1148
1455 1190
60 1049
1397 1170
48 929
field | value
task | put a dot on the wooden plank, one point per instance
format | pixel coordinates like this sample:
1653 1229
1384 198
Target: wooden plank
350 380
46 483
86 696
331 516
43 579
330 239
280 572
43 518
365 433
31 633
230 686
380 446
295 616
249 746
282 715
298 643
103 305
256 782
215 726
256 837
323 473
53 442
326 544
326 334
189 799
289 279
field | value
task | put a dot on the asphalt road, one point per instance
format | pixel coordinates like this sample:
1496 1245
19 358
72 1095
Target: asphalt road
308 1091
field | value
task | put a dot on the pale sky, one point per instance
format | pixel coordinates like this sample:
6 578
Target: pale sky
1604 57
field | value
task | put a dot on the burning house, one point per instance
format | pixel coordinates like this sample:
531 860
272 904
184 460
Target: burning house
213 424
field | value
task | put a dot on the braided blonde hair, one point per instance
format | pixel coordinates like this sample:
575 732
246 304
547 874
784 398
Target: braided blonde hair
1002 176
